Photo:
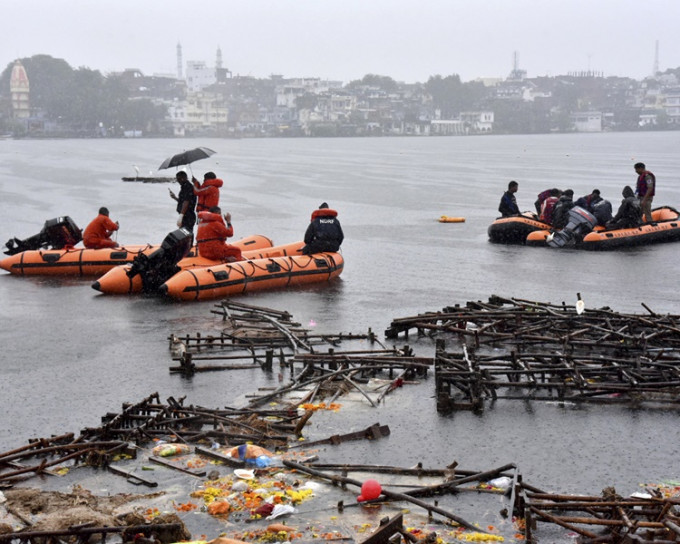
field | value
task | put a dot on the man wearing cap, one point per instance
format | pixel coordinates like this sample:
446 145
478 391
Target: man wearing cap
324 233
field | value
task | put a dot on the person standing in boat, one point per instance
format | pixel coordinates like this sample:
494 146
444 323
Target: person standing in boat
208 192
645 189
97 234
212 234
508 206
628 216
324 233
543 196
186 202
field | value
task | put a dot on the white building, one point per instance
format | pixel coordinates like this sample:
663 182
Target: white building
199 75
587 121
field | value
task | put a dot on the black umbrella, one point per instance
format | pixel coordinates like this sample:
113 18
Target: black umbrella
187 157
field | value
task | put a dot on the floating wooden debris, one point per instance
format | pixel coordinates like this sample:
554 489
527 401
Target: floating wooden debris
623 520
548 352
373 432
255 337
527 324
128 533
466 380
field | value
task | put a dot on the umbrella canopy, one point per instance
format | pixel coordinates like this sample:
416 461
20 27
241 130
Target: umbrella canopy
187 157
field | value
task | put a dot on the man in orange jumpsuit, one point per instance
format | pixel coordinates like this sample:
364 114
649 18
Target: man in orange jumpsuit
208 193
97 234
212 235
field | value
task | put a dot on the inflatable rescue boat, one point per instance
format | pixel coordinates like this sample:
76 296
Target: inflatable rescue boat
93 262
665 227
125 280
515 229
254 275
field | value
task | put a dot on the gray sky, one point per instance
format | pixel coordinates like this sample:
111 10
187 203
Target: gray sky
408 40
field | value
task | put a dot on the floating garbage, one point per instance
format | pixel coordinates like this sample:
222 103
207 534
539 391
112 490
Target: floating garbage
168 450
370 489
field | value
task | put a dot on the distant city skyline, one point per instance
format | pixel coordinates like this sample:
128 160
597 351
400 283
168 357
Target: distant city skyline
407 40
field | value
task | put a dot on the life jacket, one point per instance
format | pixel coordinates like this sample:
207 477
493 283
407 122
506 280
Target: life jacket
208 194
323 212
641 188
324 232
547 209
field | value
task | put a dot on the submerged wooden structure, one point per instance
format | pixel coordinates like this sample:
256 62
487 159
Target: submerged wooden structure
517 349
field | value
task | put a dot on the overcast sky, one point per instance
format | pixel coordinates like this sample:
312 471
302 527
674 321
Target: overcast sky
408 40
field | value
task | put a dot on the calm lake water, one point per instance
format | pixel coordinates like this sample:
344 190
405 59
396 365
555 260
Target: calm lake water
70 355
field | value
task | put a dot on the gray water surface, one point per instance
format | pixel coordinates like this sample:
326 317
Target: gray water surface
70 355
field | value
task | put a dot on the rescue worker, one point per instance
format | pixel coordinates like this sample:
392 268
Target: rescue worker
97 234
628 215
561 212
186 202
212 235
508 205
645 189
588 202
208 192
542 196
548 209
324 233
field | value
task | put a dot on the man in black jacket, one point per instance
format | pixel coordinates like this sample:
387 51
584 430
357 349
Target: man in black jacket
324 233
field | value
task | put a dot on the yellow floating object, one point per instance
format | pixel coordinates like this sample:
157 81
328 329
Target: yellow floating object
450 219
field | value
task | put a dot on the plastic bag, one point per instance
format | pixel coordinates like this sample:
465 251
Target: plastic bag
168 450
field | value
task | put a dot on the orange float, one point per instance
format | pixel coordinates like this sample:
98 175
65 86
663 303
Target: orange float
92 262
117 282
254 275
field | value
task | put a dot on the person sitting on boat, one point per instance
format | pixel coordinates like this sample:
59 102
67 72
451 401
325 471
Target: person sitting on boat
543 196
212 235
324 232
587 202
508 206
186 202
602 210
562 207
208 192
548 209
645 189
628 215
97 234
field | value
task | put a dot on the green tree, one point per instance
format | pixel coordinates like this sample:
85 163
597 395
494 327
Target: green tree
451 96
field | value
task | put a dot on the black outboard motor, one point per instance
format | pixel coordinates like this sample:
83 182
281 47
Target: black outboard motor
161 265
56 234
580 223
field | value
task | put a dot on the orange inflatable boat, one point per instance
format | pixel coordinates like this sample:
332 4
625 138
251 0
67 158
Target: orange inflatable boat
240 277
664 228
515 229
92 262
118 282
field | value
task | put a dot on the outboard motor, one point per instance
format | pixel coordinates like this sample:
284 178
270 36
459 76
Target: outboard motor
580 223
161 265
56 234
